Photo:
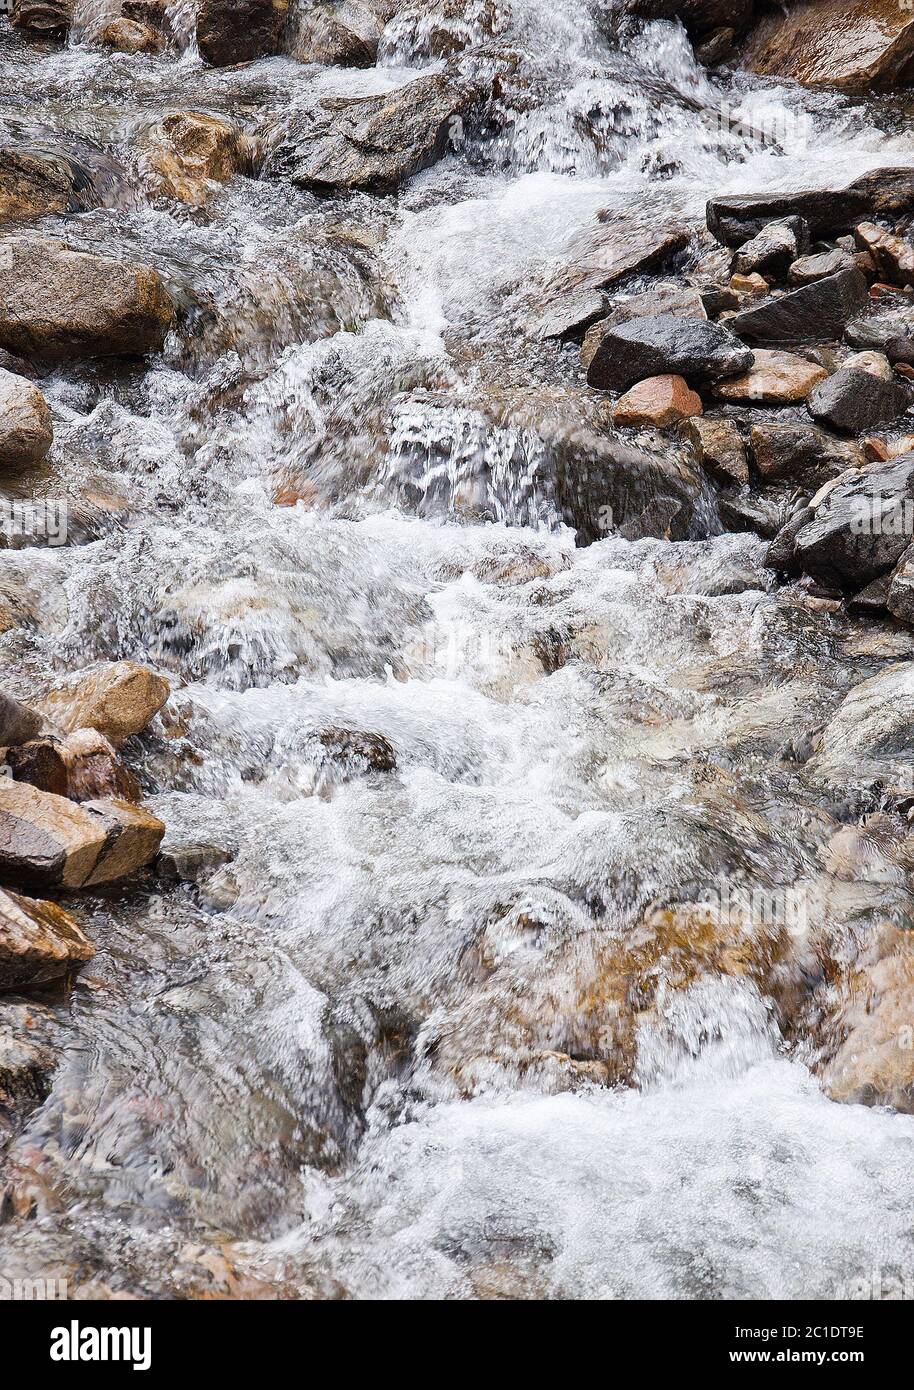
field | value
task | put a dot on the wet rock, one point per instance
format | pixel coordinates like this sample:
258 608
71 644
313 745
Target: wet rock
26 430
718 299
699 16
734 218
718 48
872 599
808 314
57 303
93 770
775 378
237 31
39 763
684 302
191 861
720 449
128 36
876 363
443 29
374 143
570 316
27 1064
808 269
781 553
661 401
852 401
899 598
834 43
748 287
800 451
359 750
39 942
18 723
188 152
774 249
861 525
36 182
892 255
116 699
665 344
53 842
891 332
344 33
49 17
869 737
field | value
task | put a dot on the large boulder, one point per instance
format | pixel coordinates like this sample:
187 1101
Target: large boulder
374 143
871 733
735 217
808 314
187 152
118 699
835 43
344 32
853 401
56 303
237 31
50 841
39 942
665 344
26 431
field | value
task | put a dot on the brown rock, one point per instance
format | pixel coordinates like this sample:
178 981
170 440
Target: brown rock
18 723
188 151
835 43
130 36
37 183
26 431
808 269
43 16
49 840
344 32
39 942
875 1064
39 763
776 378
660 401
56 303
720 449
92 769
116 699
892 255
237 31
752 285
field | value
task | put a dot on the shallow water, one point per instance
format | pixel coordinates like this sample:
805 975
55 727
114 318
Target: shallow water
359 1057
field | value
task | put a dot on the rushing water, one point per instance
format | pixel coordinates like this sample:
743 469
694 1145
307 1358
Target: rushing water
362 1054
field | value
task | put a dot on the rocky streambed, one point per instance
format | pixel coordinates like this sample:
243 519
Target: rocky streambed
457 652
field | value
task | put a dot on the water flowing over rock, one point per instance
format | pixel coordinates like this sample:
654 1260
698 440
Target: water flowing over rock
189 151
57 303
347 33
374 143
43 16
26 429
35 182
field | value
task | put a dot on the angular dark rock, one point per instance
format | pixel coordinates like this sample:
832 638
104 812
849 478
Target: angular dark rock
237 31
374 143
899 599
809 314
855 44
808 269
720 449
781 554
889 330
736 217
39 763
801 451
861 527
774 249
18 723
853 401
663 344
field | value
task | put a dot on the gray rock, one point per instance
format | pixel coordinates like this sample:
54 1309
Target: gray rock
800 451
665 344
899 599
808 269
889 331
569 316
237 31
774 249
720 449
18 723
861 526
853 401
684 302
809 314
374 143
781 554
736 217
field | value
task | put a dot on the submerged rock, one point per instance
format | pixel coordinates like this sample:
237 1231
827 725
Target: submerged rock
237 31
26 430
188 151
374 143
664 344
834 43
37 182
116 699
39 942
57 303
